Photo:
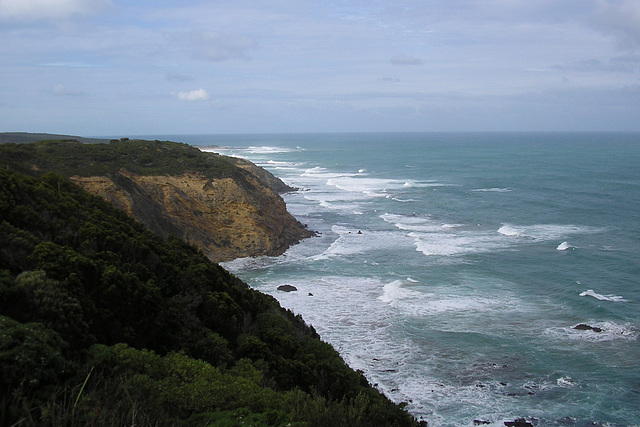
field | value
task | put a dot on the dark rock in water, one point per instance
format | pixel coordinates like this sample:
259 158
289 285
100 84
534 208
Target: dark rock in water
519 422
583 327
310 294
480 422
287 288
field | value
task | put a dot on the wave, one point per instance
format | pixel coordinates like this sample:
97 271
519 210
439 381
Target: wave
425 184
277 163
269 149
565 382
412 223
564 246
508 230
545 231
592 293
452 225
320 172
448 244
414 303
433 237
355 242
492 190
372 187
394 291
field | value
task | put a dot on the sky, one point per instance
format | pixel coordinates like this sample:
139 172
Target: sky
141 67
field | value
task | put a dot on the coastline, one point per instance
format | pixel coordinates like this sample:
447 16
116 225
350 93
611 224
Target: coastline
455 298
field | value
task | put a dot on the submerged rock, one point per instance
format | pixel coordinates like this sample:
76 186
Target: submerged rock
287 288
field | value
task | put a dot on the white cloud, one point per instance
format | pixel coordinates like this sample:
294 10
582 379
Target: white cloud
27 10
289 58
177 77
620 19
194 95
405 60
220 46
62 90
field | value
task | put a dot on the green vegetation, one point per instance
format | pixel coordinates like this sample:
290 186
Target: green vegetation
71 158
104 323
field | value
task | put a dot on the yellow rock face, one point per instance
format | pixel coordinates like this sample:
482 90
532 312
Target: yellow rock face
221 217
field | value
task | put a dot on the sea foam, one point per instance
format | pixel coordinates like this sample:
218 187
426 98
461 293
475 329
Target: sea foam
394 291
608 331
492 190
592 293
268 150
545 232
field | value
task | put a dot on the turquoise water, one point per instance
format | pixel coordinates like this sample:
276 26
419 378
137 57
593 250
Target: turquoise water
453 268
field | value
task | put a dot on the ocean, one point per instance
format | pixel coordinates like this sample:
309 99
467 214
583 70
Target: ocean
453 269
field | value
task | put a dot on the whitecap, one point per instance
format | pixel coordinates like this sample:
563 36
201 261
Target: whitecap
372 187
320 172
412 222
492 190
565 382
446 243
592 293
394 291
267 150
425 184
564 246
509 230
545 232
278 163
451 225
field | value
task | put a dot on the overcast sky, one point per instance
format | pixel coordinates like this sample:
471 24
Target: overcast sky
116 67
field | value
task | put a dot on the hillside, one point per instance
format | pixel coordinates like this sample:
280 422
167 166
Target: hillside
103 322
227 207
26 137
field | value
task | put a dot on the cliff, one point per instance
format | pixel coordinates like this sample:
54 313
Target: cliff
219 216
227 207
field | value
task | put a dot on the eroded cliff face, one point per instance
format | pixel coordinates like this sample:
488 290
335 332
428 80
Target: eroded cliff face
226 218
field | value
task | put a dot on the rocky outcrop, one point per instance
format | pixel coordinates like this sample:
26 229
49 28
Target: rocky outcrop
265 176
519 422
584 327
224 217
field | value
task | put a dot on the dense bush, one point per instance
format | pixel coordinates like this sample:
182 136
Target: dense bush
70 158
105 323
